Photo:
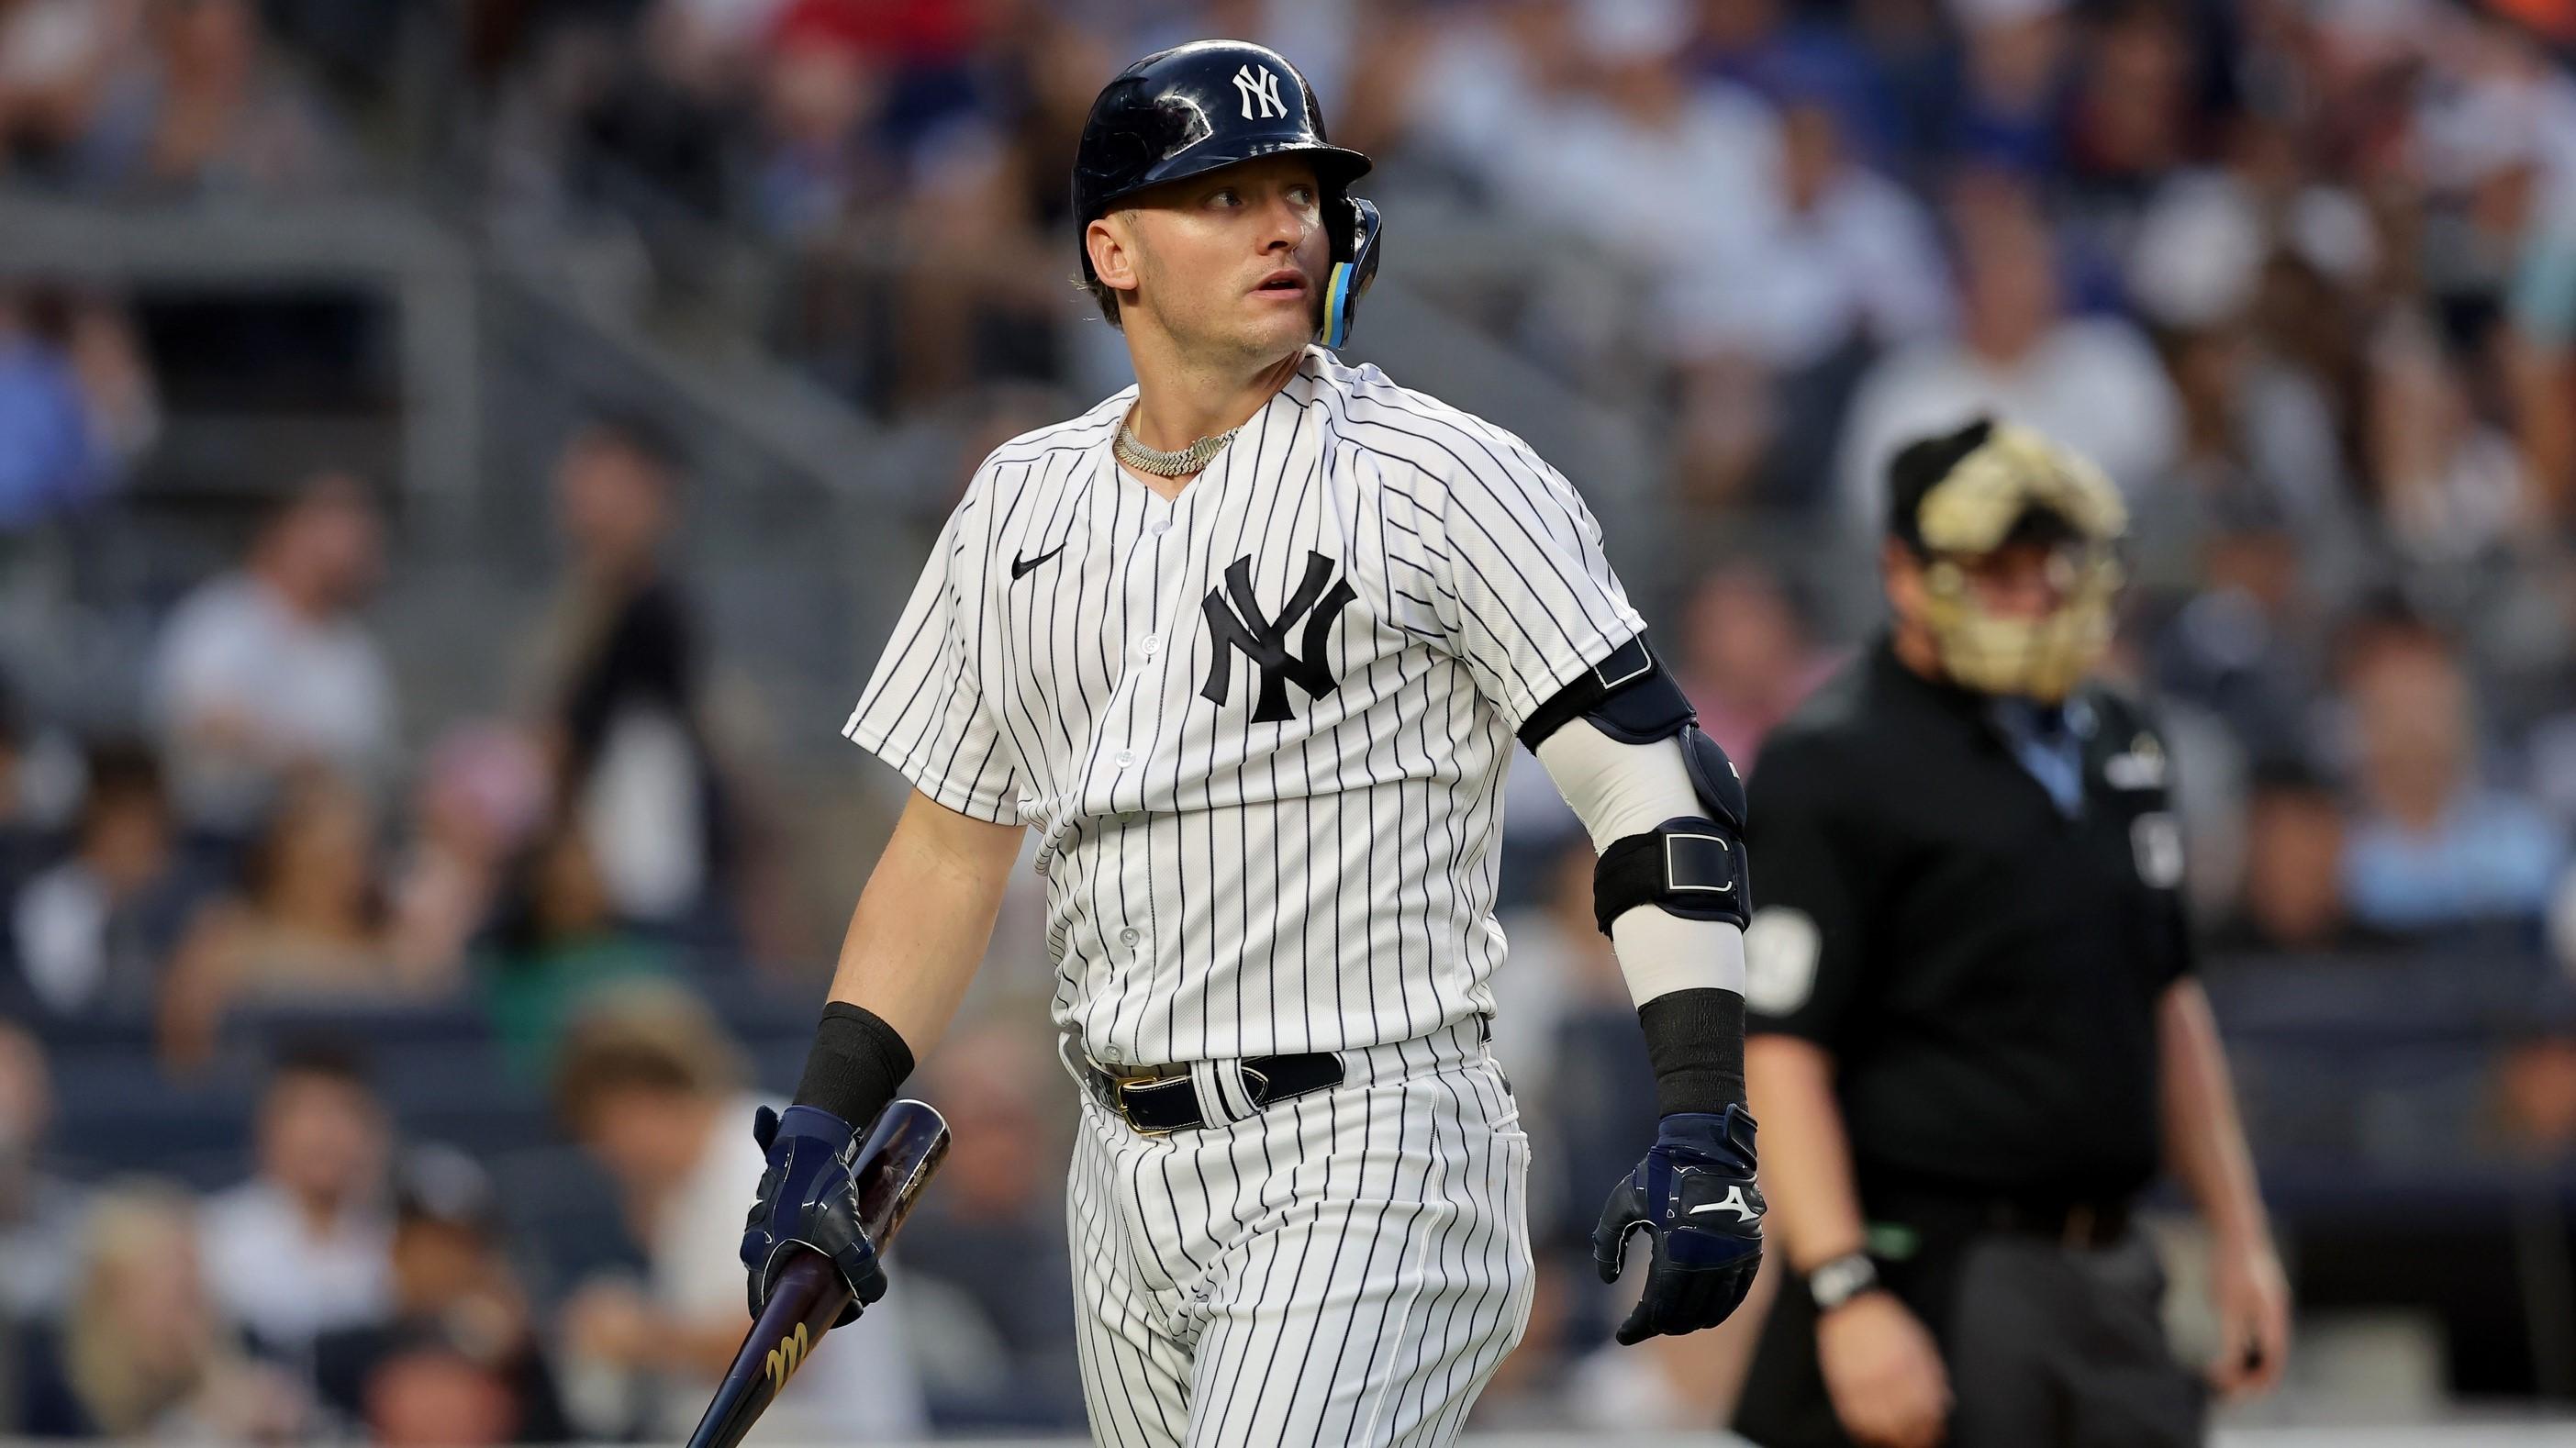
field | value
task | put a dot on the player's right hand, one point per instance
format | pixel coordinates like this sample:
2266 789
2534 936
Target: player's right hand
1884 1373
809 1197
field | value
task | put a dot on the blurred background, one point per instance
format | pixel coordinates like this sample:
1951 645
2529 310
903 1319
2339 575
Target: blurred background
459 460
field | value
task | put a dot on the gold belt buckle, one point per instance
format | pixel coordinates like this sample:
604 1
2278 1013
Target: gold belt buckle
1118 1084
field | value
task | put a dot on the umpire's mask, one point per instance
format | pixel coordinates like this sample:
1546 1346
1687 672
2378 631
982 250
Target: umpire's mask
2014 486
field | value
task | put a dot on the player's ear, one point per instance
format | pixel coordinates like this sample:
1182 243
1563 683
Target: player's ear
1904 574
1111 241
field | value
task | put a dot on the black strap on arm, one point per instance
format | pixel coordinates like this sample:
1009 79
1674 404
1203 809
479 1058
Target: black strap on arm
1628 696
857 1064
1695 1042
1691 866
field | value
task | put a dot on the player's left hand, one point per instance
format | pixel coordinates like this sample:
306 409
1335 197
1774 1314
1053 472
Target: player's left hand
1695 1196
2252 1298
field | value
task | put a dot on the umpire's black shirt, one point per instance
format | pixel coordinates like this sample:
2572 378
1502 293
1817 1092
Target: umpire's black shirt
1983 968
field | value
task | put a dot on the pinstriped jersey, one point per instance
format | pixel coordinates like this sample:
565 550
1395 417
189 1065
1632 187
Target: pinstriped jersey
1260 729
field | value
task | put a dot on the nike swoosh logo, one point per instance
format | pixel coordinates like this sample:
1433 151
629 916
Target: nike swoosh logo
1020 566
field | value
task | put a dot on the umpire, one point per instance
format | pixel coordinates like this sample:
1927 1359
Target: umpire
1978 1037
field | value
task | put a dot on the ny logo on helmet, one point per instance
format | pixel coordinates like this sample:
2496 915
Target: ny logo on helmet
1263 92
1264 640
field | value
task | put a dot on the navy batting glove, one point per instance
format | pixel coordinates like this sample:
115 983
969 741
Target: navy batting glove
1694 1194
809 1197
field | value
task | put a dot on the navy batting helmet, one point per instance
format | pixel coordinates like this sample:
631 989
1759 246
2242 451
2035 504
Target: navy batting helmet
1212 103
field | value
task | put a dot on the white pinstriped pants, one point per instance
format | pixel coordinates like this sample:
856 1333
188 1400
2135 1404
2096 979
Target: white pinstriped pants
1346 1267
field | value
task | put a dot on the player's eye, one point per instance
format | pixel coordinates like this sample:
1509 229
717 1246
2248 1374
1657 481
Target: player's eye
1225 196
1302 195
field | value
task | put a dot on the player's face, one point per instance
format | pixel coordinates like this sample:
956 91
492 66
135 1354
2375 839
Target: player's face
1235 262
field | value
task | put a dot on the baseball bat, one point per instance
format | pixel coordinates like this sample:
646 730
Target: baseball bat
902 1150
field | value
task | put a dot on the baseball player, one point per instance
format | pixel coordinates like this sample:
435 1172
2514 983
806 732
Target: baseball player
1248 645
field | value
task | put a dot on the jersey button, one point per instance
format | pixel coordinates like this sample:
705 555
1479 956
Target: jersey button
1147 647
1123 758
1159 526
1129 936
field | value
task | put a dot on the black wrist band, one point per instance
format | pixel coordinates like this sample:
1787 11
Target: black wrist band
1695 1042
856 1064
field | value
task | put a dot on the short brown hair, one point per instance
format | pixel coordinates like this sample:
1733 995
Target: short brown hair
650 1038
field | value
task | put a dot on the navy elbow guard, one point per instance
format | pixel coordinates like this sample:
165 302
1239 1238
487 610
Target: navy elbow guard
1692 866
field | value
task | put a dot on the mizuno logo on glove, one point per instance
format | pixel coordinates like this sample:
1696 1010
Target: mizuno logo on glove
1732 1202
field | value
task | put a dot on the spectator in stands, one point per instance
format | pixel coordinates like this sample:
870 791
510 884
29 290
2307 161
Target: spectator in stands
2292 901
989 1235
1748 658
1776 49
824 91
558 942
24 842
2534 1084
624 675
433 1394
650 1086
1667 173
2454 494
657 137
2005 110
2246 641
47 463
55 56
309 925
481 794
40 1213
206 107
2093 382
302 1248
143 1353
2432 845
460 1323
95 932
268 668
1850 265
119 396
2261 433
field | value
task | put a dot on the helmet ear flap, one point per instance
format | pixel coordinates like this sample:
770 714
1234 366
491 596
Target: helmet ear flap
1354 267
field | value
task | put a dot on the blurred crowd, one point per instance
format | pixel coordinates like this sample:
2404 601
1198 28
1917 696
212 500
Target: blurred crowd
2300 274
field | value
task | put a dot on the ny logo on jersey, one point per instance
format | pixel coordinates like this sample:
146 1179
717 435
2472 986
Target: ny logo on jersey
1263 92
1241 626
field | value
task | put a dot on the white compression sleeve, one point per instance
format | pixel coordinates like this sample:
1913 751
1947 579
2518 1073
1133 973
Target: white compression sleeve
1619 790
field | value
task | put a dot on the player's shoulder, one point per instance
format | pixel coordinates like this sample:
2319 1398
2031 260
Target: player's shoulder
1434 437
1082 432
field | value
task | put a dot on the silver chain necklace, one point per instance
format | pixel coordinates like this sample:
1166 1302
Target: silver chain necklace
1163 464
